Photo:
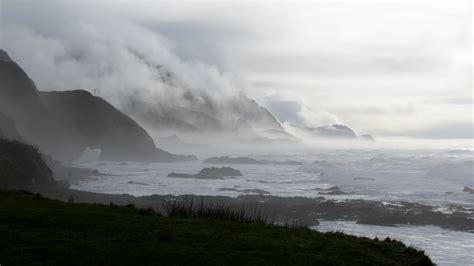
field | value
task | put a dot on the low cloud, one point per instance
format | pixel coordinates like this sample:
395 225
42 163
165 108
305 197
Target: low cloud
297 113
363 62
116 61
451 130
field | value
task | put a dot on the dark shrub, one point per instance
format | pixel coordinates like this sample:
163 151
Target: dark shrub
22 167
175 207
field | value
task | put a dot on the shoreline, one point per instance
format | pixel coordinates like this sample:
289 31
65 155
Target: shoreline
300 211
38 229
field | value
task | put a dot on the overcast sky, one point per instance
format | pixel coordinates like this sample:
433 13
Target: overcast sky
389 68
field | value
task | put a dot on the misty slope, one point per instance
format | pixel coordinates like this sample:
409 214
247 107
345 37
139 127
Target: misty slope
242 119
238 116
8 128
190 110
336 131
63 124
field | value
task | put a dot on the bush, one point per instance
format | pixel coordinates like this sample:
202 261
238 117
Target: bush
175 207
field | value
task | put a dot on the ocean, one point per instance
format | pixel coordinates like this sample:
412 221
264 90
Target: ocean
436 178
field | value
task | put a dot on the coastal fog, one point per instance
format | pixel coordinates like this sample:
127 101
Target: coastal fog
337 116
400 72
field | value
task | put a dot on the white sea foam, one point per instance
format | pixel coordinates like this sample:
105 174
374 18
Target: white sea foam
445 247
431 178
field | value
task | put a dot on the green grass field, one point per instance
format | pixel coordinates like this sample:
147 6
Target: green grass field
39 231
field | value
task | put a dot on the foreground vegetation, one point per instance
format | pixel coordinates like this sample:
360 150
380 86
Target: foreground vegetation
39 231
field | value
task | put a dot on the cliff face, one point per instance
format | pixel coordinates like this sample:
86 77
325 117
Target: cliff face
83 120
64 123
19 101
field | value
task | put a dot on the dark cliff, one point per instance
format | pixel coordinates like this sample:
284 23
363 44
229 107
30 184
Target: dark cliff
64 123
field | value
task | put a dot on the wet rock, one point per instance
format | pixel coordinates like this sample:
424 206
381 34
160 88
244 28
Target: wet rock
95 172
210 173
137 183
306 210
468 190
219 172
180 175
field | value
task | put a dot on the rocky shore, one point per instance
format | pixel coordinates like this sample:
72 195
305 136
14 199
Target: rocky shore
210 173
298 210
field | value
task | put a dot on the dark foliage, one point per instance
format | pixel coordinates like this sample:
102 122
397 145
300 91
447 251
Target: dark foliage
22 167
187 208
38 231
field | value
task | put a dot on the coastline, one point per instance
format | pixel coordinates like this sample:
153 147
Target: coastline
298 210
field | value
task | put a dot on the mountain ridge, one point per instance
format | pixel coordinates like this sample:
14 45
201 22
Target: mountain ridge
64 123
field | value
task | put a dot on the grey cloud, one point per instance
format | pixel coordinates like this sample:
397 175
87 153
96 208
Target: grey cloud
454 101
200 39
407 109
340 50
454 130
296 113
87 56
284 110
344 64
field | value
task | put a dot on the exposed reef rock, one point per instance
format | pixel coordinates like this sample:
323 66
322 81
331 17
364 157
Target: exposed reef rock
305 211
468 190
210 173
